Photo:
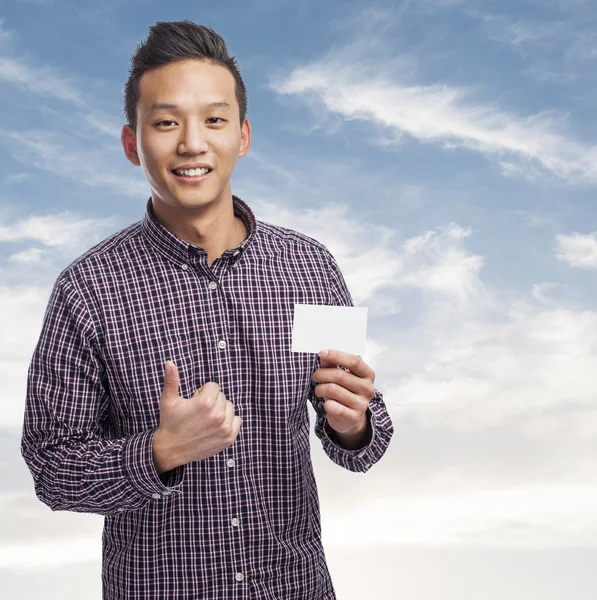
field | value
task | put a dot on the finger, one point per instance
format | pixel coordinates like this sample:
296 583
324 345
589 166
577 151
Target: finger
340 411
229 412
208 390
347 380
171 380
331 391
236 423
352 362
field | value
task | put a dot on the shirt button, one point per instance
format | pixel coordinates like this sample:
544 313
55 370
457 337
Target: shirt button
120 509
239 577
213 285
230 462
235 522
221 344
236 253
156 496
166 493
184 266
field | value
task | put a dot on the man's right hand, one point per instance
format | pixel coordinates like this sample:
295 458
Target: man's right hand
192 429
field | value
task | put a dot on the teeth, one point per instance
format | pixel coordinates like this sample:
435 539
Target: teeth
192 172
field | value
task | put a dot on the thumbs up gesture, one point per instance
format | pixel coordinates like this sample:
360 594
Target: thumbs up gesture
192 428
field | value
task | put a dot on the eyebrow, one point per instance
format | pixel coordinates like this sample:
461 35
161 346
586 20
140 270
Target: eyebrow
165 106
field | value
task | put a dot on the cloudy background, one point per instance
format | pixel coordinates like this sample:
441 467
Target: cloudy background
446 153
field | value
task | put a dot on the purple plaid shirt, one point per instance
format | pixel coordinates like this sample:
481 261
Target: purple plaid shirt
244 524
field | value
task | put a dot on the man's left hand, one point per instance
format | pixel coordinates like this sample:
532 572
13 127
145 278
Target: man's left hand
346 394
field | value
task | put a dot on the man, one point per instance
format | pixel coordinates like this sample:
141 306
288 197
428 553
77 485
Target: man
163 392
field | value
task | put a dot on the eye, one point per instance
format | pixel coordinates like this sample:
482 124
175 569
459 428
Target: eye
213 119
166 123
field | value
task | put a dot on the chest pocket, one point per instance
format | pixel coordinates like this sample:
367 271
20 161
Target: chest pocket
138 376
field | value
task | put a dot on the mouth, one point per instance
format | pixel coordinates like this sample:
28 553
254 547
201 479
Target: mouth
192 175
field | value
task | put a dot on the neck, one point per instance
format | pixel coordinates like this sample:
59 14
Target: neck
215 228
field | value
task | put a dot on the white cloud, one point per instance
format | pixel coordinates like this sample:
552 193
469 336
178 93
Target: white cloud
578 250
59 230
440 114
479 370
44 150
538 516
21 309
561 425
29 256
49 553
441 266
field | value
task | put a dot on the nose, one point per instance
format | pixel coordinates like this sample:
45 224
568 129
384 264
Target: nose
193 140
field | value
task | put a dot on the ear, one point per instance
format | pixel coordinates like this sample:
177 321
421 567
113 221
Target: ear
245 138
129 144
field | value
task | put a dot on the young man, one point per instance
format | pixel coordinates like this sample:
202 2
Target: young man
163 392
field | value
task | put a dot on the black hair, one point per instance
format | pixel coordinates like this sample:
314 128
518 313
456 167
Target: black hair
172 41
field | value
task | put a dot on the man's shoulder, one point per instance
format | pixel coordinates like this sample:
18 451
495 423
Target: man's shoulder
281 237
106 252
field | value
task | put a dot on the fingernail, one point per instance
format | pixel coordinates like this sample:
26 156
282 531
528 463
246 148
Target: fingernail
323 353
169 367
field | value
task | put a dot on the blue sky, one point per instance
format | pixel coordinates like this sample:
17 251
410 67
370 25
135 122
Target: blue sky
446 153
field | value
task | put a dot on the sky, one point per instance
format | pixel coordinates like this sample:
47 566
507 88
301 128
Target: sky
445 151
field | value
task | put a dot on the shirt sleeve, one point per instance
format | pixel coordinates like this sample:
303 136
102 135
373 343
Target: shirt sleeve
360 459
68 443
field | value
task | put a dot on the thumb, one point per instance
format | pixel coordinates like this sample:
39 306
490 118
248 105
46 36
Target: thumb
324 364
171 380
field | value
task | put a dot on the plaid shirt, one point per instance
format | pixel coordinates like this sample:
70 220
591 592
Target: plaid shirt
245 523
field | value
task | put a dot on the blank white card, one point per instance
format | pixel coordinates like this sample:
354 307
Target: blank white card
319 327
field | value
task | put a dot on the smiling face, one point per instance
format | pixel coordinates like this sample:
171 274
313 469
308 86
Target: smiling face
188 135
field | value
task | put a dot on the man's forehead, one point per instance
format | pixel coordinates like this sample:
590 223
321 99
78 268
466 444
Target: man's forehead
162 88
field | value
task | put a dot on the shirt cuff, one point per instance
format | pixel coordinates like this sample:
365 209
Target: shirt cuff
361 459
140 470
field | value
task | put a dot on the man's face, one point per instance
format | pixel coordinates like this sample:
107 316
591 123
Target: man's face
187 119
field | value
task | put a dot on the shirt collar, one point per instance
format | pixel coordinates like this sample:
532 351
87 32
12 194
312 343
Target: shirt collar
180 251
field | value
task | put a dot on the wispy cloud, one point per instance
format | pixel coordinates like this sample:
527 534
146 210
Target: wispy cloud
51 83
85 164
16 178
440 114
578 250
65 229
44 81
29 256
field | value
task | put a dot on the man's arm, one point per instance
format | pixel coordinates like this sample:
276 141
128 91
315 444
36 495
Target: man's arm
362 446
75 462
